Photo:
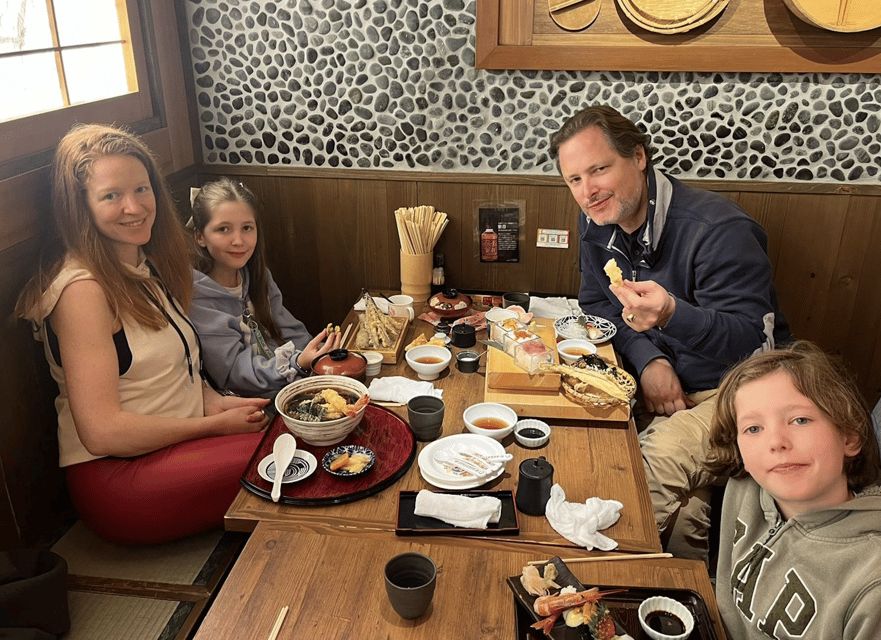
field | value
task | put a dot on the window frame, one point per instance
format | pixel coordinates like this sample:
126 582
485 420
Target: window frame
141 110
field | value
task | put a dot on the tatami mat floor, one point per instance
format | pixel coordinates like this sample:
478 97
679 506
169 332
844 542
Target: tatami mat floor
153 592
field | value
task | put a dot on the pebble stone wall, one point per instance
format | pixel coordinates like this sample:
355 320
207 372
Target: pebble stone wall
391 84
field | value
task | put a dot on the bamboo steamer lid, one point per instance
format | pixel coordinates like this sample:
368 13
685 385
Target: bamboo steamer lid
838 15
703 15
667 13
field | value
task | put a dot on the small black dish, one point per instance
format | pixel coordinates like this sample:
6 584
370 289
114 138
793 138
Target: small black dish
468 361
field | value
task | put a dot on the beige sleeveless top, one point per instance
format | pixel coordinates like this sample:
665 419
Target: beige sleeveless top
156 382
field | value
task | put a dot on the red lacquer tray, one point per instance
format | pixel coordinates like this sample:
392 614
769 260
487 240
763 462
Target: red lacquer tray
389 437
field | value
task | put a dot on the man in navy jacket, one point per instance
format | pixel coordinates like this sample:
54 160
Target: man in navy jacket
697 297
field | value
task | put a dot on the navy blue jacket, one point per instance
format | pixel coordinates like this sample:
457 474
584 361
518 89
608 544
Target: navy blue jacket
712 257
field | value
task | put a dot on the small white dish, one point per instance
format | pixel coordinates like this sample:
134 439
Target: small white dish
441 336
351 449
439 359
572 349
529 423
666 606
490 410
302 466
372 357
497 314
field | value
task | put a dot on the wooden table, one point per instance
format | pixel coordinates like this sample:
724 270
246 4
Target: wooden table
591 458
334 588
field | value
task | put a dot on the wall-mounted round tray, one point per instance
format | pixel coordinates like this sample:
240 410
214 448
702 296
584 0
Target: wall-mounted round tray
838 15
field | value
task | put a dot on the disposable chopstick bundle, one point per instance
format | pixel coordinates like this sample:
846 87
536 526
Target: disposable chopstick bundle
419 228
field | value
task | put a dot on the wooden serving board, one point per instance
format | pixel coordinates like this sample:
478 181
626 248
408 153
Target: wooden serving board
502 372
542 403
390 355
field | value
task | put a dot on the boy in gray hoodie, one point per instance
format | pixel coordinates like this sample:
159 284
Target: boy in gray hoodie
800 543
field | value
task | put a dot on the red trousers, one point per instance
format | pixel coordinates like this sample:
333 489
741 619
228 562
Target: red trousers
168 494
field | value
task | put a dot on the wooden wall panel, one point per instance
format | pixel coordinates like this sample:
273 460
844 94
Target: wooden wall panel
331 236
804 271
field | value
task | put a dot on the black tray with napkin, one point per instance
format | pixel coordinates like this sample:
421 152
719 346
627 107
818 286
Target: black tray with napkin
409 524
623 607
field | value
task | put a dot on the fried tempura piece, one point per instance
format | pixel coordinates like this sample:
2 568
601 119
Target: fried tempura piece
418 342
614 272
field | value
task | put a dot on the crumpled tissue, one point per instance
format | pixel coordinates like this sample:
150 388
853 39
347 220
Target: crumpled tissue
581 523
400 389
459 511
285 356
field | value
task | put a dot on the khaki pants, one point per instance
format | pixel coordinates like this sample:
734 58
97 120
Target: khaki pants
680 488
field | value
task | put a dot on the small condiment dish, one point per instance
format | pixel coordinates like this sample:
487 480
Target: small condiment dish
659 614
428 361
497 314
523 433
468 361
572 349
490 412
374 362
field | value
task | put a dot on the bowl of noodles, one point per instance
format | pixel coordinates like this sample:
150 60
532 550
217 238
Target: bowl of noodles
322 410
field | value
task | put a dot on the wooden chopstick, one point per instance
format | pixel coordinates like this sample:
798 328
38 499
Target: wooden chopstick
345 335
419 228
278 622
620 556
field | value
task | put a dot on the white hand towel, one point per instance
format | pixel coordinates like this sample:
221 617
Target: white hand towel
581 523
459 511
285 355
382 303
400 389
549 307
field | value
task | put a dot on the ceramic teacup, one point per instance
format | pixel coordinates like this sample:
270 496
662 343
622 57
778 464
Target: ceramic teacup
410 579
426 415
401 305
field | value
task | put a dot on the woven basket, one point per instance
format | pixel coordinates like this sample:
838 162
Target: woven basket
838 15
329 431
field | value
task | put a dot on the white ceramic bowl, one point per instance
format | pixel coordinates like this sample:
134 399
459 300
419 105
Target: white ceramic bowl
669 605
566 348
490 410
497 314
326 432
529 423
428 370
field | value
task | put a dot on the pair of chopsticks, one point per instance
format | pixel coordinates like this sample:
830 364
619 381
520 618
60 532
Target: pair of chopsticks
278 622
620 556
